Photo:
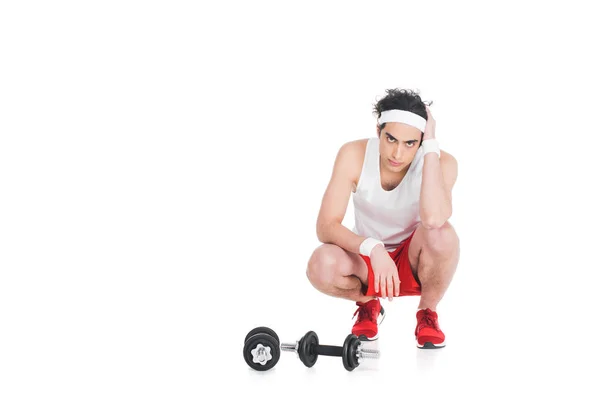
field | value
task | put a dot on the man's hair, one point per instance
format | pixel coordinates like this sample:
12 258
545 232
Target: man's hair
401 99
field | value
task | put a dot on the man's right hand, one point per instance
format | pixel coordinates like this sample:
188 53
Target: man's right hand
385 272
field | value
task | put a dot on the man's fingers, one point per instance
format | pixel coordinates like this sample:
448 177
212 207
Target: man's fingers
396 284
382 285
390 287
376 280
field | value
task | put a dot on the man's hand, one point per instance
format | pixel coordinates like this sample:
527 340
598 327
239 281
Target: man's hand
385 272
429 126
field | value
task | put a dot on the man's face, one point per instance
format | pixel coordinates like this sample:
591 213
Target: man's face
398 144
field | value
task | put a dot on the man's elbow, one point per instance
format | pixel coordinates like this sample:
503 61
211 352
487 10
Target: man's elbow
432 224
322 230
435 221
325 230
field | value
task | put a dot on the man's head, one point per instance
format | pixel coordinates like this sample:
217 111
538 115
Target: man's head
399 141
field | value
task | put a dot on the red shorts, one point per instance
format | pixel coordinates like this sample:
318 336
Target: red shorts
408 284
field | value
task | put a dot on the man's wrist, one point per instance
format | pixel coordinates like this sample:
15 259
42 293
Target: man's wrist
431 146
380 247
368 245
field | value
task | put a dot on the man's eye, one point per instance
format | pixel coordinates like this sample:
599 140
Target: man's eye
391 139
410 144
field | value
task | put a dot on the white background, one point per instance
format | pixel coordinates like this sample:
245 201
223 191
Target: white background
162 165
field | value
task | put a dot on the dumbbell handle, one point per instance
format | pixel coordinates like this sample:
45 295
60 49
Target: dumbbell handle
322 350
334 351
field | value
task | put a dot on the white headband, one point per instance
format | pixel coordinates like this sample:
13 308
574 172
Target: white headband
405 117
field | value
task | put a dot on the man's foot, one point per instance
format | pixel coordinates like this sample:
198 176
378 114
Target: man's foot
370 314
428 333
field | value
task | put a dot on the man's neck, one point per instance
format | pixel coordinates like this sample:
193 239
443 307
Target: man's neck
390 180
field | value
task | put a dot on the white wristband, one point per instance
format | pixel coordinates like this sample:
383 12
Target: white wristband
367 246
431 146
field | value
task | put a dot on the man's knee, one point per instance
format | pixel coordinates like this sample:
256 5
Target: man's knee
323 265
443 240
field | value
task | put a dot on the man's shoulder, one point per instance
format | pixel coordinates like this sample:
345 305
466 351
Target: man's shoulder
447 158
354 149
351 157
446 155
449 167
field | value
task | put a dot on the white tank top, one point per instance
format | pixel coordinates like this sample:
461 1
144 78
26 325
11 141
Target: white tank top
390 216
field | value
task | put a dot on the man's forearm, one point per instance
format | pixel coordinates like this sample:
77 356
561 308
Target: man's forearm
338 234
435 204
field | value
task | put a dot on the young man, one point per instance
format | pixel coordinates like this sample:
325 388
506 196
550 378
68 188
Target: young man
402 243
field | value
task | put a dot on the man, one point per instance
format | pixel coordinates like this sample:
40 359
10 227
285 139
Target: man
402 243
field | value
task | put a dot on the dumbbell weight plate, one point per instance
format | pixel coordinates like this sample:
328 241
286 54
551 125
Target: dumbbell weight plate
307 349
349 352
262 329
261 351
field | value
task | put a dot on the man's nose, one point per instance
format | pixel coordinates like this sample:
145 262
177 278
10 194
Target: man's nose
398 153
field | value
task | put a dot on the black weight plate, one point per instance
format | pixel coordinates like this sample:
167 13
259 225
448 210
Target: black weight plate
262 329
307 349
267 341
354 352
349 351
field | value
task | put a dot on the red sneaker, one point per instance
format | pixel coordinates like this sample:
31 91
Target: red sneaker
428 333
370 314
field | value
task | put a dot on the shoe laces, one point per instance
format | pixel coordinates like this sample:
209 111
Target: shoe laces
428 320
365 312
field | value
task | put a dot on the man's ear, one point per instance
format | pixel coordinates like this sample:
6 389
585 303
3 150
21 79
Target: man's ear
378 130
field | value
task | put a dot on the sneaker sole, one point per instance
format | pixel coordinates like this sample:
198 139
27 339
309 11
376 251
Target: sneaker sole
379 321
429 345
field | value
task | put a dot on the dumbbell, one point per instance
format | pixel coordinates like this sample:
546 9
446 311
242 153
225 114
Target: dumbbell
262 349
309 349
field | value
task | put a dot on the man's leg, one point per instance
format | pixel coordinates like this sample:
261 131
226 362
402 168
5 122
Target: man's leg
433 256
338 273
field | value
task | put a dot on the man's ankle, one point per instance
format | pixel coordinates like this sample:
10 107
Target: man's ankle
365 300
